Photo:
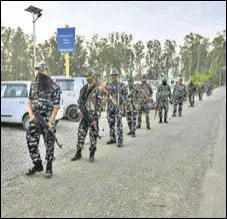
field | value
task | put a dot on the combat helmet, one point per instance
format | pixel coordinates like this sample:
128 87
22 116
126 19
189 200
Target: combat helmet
114 71
90 73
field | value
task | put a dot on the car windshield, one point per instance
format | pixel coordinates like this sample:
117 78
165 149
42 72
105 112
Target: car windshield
65 84
16 90
2 89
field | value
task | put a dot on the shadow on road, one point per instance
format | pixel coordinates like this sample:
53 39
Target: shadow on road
13 126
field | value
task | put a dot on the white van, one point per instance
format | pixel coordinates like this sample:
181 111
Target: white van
14 103
70 87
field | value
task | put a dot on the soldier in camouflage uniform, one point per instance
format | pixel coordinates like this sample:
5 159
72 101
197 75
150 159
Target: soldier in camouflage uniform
44 97
163 93
131 107
210 86
179 95
201 90
191 90
143 101
116 96
89 105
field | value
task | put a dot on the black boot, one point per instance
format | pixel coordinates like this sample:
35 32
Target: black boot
129 133
133 134
77 155
138 126
119 144
165 120
38 167
92 156
111 141
160 120
180 114
148 127
174 115
49 170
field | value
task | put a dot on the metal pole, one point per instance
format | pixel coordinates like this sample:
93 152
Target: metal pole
34 41
67 60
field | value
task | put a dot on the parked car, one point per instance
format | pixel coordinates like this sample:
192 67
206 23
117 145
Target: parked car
14 103
70 87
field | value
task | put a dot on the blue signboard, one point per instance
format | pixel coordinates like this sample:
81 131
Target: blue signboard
66 39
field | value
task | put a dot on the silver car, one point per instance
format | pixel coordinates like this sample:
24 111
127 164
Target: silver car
14 103
70 87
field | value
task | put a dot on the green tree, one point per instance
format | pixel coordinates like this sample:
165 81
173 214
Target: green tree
139 55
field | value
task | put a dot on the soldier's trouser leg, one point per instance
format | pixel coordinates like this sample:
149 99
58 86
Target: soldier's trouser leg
49 143
175 103
160 107
129 119
33 137
119 126
189 99
111 122
93 138
193 99
166 108
147 111
140 109
180 107
134 117
82 132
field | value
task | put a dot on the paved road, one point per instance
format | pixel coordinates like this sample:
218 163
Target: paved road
173 170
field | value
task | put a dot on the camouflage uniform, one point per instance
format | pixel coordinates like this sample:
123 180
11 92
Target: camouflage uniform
201 90
179 95
131 108
163 93
209 89
191 90
118 92
89 103
42 102
143 103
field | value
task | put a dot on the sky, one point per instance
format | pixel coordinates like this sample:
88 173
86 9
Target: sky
145 20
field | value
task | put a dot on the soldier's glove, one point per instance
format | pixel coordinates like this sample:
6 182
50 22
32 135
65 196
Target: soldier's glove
50 124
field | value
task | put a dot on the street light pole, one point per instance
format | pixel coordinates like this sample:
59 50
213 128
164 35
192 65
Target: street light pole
34 41
37 12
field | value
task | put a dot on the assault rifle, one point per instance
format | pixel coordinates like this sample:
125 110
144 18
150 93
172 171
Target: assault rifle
46 128
89 120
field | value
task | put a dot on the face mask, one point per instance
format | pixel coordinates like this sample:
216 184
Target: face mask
89 80
43 81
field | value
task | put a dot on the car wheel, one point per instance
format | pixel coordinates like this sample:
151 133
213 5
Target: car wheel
25 122
72 114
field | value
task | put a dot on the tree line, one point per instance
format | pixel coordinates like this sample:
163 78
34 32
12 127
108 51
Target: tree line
197 56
